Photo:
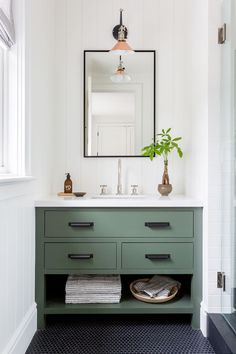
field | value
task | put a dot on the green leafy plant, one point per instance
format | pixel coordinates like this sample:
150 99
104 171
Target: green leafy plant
164 145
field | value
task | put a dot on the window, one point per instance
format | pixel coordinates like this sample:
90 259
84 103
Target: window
3 109
12 89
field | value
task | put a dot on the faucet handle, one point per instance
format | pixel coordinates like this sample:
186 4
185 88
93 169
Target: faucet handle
103 189
134 189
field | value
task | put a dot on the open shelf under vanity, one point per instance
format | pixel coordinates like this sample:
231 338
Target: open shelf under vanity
55 299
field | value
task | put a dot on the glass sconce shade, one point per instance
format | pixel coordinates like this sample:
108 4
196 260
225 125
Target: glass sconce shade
120 78
120 75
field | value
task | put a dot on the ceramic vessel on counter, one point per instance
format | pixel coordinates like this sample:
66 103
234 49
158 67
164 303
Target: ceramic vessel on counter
164 189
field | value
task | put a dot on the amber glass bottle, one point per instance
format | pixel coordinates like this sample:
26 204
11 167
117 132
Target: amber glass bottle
68 184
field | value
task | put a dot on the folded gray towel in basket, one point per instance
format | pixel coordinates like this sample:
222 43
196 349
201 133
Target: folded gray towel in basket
157 286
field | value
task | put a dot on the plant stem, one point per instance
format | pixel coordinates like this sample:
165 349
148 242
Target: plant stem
165 177
165 156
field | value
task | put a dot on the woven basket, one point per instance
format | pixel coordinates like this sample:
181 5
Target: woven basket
154 300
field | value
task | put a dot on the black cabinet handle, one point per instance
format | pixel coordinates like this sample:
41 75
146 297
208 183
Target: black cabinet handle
81 224
157 256
80 256
157 224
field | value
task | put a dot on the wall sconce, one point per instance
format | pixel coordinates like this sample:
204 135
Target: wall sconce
120 34
120 75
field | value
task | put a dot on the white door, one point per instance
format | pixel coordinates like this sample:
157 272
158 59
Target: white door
115 140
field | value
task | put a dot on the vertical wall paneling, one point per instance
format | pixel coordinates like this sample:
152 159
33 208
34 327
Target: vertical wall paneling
42 73
16 262
196 166
165 87
77 34
87 24
60 91
103 38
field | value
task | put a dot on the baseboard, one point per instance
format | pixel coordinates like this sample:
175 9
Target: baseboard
23 335
203 320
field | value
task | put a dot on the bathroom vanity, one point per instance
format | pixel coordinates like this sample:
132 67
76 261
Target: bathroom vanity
134 238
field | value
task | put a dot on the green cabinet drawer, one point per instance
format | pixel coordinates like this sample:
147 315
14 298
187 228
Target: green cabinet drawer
157 256
80 255
113 222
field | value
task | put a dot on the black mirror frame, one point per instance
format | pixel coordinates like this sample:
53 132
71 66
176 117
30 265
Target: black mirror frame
84 102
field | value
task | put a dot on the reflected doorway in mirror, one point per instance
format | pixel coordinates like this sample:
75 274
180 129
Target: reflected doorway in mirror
119 119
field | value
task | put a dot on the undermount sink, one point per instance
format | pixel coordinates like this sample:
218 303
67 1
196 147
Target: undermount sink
118 196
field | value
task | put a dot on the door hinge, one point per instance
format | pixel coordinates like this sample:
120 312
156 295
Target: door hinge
222 34
221 280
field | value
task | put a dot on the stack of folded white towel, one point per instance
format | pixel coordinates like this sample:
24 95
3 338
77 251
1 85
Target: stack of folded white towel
82 289
157 286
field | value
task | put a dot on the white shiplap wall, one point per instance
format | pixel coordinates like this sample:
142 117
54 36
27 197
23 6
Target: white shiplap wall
87 24
41 92
17 305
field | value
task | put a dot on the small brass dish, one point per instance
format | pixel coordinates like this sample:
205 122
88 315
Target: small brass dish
79 194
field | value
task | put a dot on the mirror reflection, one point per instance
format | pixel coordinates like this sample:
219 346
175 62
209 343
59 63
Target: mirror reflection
119 107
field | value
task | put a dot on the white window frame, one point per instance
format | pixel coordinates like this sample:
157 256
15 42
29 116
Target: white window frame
4 111
16 163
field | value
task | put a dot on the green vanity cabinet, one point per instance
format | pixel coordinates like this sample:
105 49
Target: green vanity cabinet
134 242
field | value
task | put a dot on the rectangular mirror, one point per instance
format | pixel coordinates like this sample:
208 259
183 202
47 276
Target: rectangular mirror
119 103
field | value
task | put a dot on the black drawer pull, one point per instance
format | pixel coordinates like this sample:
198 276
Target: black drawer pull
157 256
81 224
159 225
80 256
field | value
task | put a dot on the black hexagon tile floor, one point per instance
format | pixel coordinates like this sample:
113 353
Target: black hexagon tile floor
119 335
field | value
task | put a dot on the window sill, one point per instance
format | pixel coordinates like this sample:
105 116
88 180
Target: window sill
8 179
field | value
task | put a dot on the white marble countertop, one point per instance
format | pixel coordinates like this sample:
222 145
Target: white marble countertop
141 201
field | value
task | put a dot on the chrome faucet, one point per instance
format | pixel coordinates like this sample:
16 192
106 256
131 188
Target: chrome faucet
119 186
